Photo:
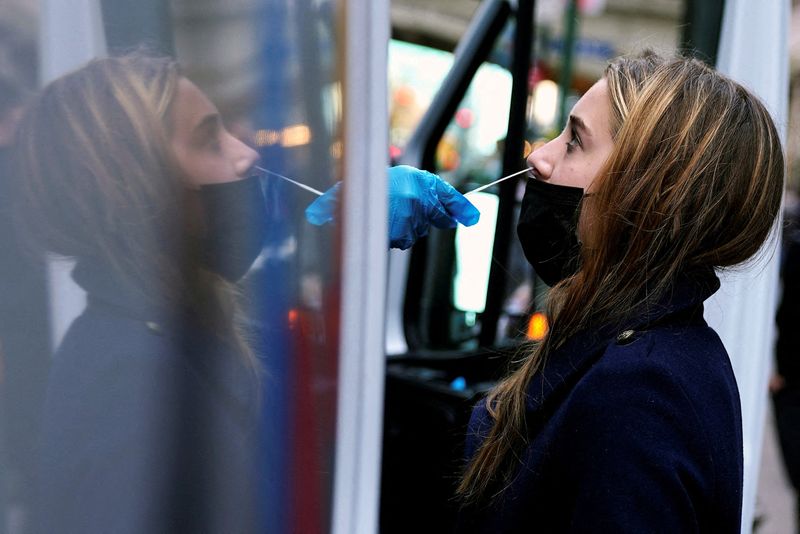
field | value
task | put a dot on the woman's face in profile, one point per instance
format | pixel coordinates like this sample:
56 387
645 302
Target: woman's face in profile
205 151
575 157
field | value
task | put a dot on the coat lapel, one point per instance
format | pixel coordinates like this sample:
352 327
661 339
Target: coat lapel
567 363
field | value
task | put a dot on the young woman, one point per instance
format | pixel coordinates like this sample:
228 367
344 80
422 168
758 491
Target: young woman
626 418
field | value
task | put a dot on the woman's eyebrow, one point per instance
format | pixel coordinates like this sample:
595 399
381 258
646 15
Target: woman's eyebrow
579 124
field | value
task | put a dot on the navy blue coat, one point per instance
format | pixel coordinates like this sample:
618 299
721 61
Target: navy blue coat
632 429
148 422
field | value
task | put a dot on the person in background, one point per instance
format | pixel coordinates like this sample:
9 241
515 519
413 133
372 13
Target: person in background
626 417
785 382
152 402
25 347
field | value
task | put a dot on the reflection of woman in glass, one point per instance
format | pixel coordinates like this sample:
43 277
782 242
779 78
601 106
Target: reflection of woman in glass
626 418
125 166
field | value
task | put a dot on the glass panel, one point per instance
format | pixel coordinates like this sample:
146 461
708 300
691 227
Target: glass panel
415 74
195 382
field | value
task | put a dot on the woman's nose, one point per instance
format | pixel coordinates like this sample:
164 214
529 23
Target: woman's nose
541 161
245 158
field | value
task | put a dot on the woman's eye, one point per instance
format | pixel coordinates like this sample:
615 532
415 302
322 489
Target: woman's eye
574 141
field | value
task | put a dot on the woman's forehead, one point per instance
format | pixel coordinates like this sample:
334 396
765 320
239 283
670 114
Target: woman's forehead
594 108
190 106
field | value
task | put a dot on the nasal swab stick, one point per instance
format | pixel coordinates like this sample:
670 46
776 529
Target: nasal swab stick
319 193
481 188
298 184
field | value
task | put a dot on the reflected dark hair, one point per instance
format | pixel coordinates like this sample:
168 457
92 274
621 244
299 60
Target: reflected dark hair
96 176
96 179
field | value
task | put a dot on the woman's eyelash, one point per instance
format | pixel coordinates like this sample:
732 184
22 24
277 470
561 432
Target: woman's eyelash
574 140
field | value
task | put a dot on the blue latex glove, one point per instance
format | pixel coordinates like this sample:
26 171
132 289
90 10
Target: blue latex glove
322 210
417 200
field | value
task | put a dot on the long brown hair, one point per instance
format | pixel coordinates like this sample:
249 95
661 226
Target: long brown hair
694 181
96 179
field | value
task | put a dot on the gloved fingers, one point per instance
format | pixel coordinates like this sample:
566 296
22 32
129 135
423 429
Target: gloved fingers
419 199
456 204
409 182
406 235
323 209
404 215
444 207
440 218
402 243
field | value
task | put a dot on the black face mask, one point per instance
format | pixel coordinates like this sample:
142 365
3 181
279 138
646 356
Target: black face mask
548 229
235 226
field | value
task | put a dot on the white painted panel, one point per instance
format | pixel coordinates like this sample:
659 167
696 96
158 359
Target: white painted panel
753 50
364 255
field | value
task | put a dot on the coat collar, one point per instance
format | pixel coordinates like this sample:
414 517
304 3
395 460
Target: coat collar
104 287
583 349
214 360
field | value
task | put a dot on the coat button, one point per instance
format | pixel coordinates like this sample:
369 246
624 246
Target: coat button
625 337
154 327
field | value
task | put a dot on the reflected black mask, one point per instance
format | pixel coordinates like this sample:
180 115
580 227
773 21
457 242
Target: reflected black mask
548 229
235 215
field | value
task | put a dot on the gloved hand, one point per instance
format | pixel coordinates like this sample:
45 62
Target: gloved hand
417 199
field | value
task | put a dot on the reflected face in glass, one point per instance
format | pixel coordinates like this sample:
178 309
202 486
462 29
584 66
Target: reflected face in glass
575 157
205 151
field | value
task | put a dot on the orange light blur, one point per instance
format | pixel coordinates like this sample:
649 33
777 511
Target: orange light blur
336 150
296 135
293 318
266 137
537 326
290 136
